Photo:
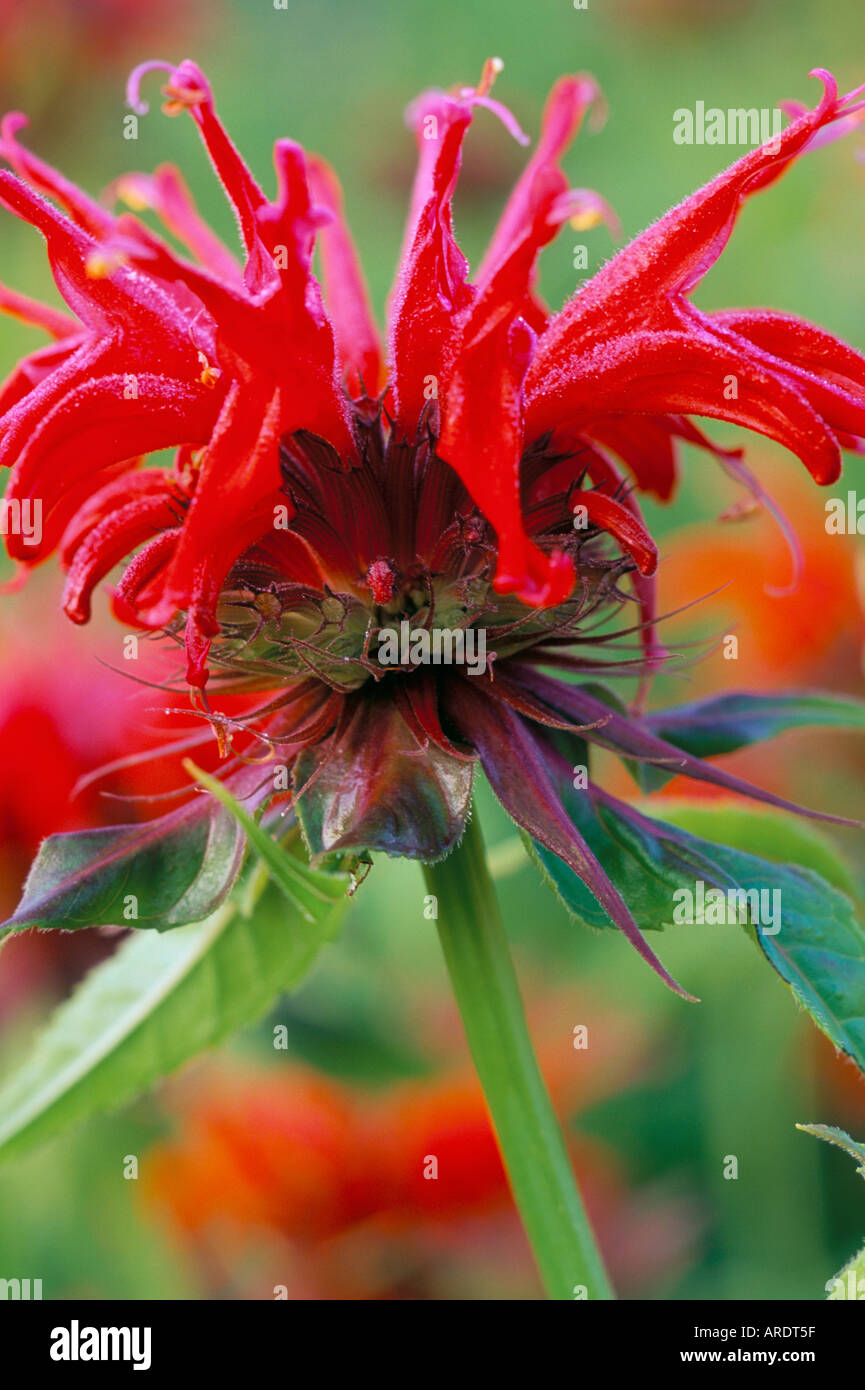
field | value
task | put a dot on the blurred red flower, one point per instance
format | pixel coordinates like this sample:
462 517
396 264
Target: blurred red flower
375 1194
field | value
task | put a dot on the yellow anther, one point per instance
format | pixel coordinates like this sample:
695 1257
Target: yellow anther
489 72
100 264
130 194
181 99
583 221
209 375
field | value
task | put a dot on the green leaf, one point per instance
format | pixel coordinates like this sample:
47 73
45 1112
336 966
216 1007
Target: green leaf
762 831
849 1282
819 950
644 872
723 723
161 874
841 1139
158 1002
646 869
306 888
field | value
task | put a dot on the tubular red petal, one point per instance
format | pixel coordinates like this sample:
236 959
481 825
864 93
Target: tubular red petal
644 583
842 407
671 257
482 439
88 214
140 571
357 339
645 446
622 523
279 335
75 369
58 513
34 369
567 104
661 373
188 89
144 485
431 290
241 463
54 321
508 289
197 642
122 301
293 219
796 340
166 193
92 425
122 531
482 433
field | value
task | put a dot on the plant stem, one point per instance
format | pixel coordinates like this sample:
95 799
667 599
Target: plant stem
531 1143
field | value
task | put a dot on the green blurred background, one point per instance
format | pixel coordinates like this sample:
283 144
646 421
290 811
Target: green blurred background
734 1074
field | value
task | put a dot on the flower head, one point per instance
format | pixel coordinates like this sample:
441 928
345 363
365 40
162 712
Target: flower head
476 476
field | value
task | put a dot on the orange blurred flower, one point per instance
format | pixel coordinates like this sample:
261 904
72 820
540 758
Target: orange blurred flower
812 634
354 1194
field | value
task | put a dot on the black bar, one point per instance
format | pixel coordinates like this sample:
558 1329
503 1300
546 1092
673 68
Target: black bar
260 1339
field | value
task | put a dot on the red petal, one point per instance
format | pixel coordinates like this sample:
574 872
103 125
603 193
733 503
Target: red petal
646 446
622 523
33 369
482 438
431 290
189 89
345 292
795 340
54 321
144 486
671 257
120 532
661 373
147 315
541 183
139 572
90 425
88 214
165 191
241 463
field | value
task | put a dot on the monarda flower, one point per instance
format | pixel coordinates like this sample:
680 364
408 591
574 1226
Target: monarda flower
479 472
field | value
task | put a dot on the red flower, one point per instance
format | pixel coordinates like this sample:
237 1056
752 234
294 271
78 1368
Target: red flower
46 753
319 497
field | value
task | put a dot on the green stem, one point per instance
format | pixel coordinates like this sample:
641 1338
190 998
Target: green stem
486 989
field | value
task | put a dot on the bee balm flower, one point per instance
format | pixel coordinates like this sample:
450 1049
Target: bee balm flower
472 474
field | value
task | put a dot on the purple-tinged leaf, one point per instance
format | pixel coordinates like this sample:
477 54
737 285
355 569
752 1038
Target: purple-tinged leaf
514 758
